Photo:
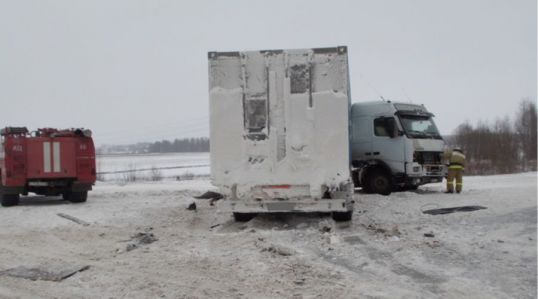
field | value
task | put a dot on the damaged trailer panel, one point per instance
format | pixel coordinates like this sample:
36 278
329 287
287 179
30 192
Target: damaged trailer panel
279 128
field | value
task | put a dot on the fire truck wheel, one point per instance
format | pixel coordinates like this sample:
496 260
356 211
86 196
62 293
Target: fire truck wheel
9 200
342 216
76 196
244 217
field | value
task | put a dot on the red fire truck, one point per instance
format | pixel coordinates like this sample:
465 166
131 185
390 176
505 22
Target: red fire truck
47 162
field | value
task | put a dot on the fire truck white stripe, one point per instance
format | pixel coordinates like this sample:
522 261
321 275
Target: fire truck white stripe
56 156
46 157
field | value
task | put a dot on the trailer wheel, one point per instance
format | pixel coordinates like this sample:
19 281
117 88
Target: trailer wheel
9 200
243 217
380 182
342 216
76 197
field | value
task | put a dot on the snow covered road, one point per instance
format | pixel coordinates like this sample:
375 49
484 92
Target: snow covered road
383 253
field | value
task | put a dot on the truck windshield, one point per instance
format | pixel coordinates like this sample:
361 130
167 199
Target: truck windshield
419 126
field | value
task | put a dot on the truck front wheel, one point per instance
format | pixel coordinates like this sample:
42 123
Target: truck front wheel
380 182
9 200
76 197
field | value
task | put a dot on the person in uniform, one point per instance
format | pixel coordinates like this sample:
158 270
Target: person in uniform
456 164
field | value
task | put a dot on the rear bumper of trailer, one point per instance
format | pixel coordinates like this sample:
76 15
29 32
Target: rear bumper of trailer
288 206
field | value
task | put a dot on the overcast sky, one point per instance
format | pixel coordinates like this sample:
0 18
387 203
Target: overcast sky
137 70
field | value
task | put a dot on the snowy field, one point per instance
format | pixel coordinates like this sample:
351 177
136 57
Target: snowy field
168 166
382 253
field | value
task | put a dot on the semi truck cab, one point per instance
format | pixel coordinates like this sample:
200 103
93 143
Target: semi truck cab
394 146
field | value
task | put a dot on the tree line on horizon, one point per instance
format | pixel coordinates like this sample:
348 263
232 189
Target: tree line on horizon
507 145
185 145
503 146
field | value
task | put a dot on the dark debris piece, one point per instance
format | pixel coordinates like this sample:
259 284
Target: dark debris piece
140 239
44 273
453 209
192 207
210 195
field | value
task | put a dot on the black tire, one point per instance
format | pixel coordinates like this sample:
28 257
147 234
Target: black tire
243 217
342 216
355 178
412 187
76 197
9 200
380 182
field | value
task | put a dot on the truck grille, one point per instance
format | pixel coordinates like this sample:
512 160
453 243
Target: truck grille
429 158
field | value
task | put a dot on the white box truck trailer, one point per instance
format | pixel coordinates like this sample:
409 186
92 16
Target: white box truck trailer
279 129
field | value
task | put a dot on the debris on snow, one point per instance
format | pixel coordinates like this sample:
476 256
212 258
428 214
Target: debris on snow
453 209
74 219
300 281
394 231
280 250
274 248
141 238
50 273
192 207
429 235
433 244
209 195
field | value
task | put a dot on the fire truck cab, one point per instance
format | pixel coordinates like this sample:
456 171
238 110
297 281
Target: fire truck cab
47 162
